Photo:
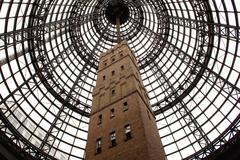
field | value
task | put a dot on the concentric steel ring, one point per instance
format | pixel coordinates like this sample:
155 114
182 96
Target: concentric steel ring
188 56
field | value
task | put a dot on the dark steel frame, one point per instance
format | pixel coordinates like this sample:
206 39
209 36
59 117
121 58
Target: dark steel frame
187 54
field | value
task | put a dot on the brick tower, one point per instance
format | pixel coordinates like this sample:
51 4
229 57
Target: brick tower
122 125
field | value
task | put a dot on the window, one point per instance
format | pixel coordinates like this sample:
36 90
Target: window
113 73
99 119
104 77
128 132
113 139
98 145
113 58
113 92
105 63
121 53
112 113
125 106
122 67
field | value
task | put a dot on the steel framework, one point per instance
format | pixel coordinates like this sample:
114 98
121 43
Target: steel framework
188 54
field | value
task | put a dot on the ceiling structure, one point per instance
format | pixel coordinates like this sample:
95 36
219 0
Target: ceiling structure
188 55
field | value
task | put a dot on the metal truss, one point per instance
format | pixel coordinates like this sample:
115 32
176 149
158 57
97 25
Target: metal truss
188 56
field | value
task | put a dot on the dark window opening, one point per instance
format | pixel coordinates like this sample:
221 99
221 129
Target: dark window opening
120 52
99 119
98 145
128 132
112 113
113 139
122 67
125 106
113 73
113 92
105 63
104 77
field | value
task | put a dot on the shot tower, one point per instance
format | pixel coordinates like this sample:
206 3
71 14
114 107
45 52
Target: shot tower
122 125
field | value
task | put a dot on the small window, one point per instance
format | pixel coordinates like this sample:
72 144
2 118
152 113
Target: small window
104 77
98 145
113 73
105 63
128 132
99 119
122 67
120 52
113 58
113 92
113 139
125 106
112 113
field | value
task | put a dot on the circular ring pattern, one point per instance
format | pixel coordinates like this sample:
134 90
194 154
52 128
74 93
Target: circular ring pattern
187 53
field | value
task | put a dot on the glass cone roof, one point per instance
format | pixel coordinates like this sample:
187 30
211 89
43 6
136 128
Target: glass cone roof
188 55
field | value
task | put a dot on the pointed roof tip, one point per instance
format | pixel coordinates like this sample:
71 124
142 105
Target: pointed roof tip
121 43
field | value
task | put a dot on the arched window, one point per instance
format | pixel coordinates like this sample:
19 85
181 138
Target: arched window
99 145
113 139
128 132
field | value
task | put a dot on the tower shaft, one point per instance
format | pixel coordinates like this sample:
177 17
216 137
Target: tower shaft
122 125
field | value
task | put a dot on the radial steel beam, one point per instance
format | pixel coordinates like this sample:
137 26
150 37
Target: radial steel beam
15 55
22 35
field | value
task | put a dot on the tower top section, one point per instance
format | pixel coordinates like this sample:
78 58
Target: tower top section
118 77
114 54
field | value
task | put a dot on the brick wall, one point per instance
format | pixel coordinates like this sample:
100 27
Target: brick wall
119 82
